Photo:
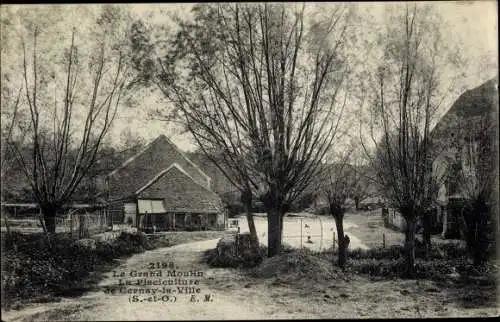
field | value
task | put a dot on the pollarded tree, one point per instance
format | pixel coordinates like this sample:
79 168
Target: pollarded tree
263 86
71 100
339 184
407 91
228 158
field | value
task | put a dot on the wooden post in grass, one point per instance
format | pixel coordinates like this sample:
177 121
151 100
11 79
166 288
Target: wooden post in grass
334 241
6 222
81 226
383 240
237 241
300 233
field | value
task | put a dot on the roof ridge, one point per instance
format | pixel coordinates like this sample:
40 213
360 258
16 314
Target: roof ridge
158 176
132 158
187 159
164 171
148 146
453 110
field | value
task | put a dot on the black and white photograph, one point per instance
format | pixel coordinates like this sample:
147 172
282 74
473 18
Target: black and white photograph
249 161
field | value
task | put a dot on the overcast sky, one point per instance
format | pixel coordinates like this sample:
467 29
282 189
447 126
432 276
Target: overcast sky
474 26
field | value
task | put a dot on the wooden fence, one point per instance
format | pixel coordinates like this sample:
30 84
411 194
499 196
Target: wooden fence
81 225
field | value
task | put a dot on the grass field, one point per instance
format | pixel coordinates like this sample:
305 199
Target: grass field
369 226
365 229
296 230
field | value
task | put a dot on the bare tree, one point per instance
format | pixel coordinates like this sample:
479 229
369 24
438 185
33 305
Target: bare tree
339 184
406 95
264 88
53 170
362 183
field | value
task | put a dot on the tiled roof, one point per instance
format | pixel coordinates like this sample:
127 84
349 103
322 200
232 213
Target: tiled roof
479 101
180 193
144 166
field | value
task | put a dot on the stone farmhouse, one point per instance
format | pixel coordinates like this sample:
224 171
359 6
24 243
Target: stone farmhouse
161 189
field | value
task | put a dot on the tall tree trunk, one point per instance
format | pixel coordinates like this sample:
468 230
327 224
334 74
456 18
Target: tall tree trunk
356 202
83 231
49 218
246 199
410 233
282 219
339 222
251 225
273 232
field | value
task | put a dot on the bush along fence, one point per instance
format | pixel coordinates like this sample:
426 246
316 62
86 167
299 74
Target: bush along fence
80 220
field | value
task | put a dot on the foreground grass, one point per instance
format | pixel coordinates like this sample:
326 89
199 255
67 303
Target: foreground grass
308 284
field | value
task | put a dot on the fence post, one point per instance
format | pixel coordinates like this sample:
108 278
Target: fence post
334 241
383 240
300 233
6 221
101 221
237 240
321 242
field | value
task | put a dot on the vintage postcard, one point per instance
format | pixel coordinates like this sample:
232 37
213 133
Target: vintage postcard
235 161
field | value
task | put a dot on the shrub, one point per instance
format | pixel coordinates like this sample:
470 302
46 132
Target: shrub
393 253
285 248
449 250
444 260
298 264
304 202
479 230
322 211
232 252
235 209
31 268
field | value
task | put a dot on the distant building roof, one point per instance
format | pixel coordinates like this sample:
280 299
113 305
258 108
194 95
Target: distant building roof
479 101
140 169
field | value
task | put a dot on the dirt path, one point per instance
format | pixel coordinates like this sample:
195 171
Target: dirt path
233 301
99 305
